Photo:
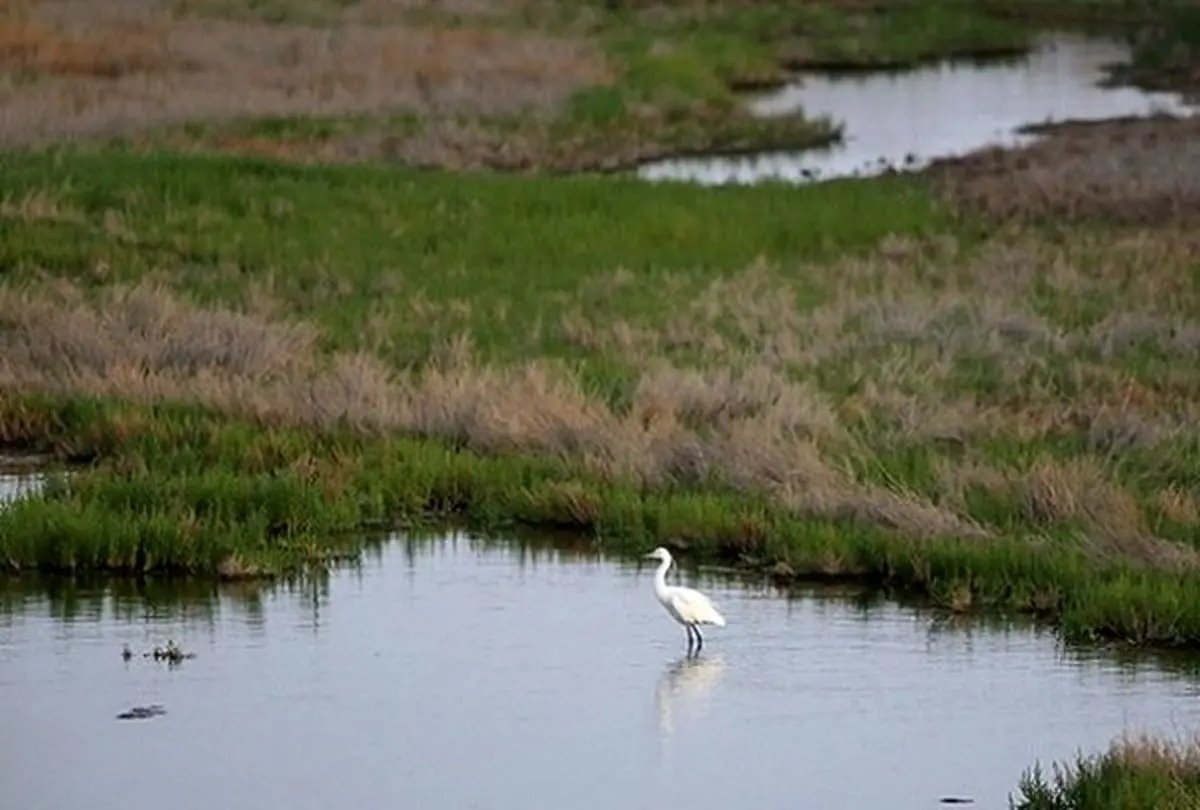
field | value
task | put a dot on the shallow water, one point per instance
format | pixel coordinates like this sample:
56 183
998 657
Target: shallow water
16 482
905 120
458 674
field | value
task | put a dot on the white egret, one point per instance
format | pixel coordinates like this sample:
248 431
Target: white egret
687 606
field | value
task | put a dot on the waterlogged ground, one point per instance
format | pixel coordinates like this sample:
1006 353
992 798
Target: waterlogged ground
456 674
906 120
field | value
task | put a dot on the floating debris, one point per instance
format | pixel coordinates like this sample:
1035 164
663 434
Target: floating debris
956 800
171 652
142 712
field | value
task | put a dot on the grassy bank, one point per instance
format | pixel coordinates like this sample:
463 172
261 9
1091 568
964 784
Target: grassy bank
185 490
838 381
1138 774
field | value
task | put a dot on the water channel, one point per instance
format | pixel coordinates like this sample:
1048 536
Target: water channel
459 673
904 120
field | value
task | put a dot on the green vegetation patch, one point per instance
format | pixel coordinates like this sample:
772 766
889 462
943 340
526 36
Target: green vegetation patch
1138 774
402 261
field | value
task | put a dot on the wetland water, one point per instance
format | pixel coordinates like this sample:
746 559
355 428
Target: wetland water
16 481
459 674
907 119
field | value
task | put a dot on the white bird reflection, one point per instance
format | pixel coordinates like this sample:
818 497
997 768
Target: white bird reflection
686 683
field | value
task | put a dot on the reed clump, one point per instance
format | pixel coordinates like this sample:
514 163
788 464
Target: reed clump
1136 773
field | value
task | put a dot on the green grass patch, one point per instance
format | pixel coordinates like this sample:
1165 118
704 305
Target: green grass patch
504 248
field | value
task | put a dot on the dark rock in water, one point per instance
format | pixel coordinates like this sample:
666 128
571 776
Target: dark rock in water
127 653
956 800
142 712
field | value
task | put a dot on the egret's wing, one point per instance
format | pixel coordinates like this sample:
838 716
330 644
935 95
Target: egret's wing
690 597
695 606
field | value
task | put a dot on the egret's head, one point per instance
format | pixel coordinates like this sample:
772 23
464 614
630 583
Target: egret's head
660 554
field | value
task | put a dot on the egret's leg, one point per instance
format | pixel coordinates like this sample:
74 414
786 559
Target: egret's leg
699 639
688 629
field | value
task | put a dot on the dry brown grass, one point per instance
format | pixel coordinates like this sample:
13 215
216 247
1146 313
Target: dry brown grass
147 344
1180 759
906 340
1133 171
131 67
332 13
726 386
35 48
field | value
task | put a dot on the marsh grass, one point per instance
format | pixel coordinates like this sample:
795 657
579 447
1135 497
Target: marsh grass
1134 774
126 69
472 92
506 85
820 385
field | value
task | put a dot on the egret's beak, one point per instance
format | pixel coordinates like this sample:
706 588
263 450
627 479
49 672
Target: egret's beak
652 556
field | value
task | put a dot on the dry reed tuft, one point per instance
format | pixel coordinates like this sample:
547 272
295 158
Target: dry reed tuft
1082 493
1141 772
1180 759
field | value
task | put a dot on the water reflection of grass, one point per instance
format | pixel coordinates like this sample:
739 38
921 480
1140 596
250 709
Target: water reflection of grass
98 597
92 595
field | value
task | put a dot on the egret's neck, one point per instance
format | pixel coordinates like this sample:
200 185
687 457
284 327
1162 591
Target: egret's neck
660 577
